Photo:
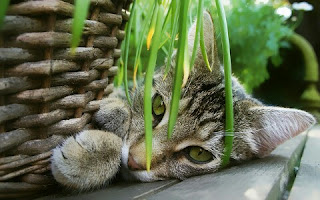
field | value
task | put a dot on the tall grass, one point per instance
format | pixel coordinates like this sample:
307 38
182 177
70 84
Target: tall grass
177 19
229 127
197 34
81 9
137 62
126 52
149 76
175 6
182 64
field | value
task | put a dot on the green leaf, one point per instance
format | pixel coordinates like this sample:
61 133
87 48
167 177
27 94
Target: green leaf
119 77
140 43
166 20
152 26
255 33
182 61
156 41
197 34
81 10
203 48
3 9
126 52
229 129
175 19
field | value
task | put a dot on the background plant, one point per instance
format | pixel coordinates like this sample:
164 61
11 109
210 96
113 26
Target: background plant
256 34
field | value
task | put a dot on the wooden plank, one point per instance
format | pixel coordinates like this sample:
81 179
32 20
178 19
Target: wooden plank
259 179
307 183
120 191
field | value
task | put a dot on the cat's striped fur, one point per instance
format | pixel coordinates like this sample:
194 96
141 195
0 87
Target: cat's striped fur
92 158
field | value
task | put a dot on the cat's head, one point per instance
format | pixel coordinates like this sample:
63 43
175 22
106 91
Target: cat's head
197 143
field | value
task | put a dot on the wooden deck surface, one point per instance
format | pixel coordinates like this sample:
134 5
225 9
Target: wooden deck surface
268 178
307 182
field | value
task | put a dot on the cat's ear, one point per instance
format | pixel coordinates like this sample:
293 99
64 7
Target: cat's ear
210 44
275 125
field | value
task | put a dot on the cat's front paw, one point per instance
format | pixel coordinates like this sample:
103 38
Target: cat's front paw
88 160
114 116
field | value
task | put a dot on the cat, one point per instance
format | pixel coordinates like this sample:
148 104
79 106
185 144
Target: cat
93 157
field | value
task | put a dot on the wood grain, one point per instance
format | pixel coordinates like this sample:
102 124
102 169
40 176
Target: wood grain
307 183
259 179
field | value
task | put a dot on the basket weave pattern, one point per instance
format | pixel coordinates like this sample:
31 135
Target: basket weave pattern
47 93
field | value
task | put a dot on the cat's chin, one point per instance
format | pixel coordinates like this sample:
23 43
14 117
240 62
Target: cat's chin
141 175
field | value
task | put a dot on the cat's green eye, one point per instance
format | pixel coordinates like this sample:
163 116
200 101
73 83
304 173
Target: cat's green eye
158 106
198 155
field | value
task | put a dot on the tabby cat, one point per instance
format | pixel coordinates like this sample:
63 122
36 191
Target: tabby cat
93 157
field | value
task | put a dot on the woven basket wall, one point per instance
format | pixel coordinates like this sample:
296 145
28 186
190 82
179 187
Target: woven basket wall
47 94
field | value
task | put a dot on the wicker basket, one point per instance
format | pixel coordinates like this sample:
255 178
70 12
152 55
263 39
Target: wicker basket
46 93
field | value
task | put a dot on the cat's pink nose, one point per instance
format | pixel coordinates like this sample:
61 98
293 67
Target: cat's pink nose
133 165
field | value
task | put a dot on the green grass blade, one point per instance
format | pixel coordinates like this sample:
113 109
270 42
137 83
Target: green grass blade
186 66
148 84
152 26
164 42
229 129
182 61
166 20
136 25
174 9
203 48
175 15
126 52
119 77
164 49
197 35
3 9
140 43
81 10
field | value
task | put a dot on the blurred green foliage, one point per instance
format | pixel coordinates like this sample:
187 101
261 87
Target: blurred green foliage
256 34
